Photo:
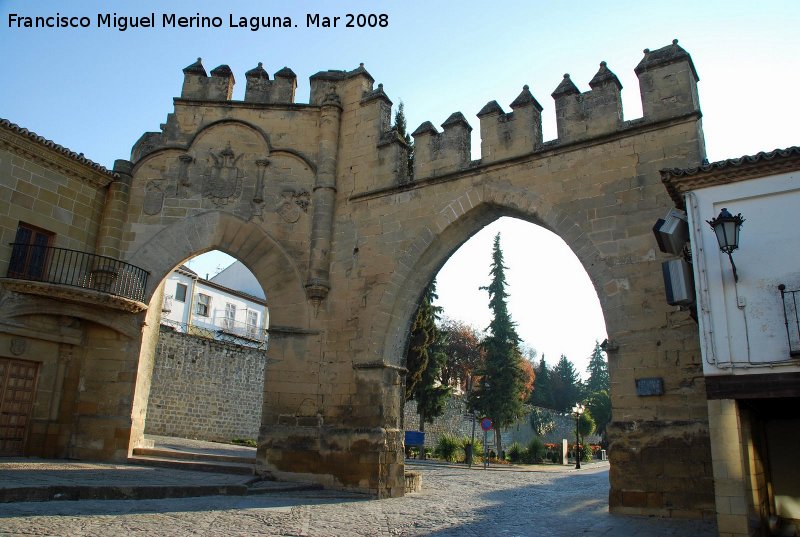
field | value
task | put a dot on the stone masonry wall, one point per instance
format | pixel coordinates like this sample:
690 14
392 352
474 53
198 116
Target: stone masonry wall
456 422
204 389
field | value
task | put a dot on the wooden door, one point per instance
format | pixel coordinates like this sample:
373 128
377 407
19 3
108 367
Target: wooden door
17 394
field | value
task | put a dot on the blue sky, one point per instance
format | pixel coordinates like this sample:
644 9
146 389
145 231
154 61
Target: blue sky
97 90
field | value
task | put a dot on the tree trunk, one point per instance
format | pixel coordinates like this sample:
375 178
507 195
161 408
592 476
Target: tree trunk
498 442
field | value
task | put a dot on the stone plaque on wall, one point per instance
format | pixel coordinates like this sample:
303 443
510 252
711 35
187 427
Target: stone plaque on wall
650 386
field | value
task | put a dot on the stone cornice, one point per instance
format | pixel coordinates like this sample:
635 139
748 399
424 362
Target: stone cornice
74 294
30 145
680 181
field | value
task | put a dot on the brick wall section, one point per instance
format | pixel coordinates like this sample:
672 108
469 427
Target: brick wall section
205 389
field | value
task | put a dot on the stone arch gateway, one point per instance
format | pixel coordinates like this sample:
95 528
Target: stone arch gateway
316 200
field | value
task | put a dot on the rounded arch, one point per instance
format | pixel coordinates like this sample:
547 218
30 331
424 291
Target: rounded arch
258 131
274 269
454 224
229 122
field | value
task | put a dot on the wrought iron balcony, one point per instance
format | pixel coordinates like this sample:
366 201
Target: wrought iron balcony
791 318
61 266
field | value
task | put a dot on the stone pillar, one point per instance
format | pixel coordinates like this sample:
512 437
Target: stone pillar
109 235
729 464
324 197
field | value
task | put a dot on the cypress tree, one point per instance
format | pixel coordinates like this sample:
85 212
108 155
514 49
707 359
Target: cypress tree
425 359
565 385
541 395
501 389
598 371
402 129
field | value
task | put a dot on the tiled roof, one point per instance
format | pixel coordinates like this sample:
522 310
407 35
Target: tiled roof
681 180
77 157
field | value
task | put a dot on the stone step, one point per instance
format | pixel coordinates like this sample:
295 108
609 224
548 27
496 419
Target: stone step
191 455
221 467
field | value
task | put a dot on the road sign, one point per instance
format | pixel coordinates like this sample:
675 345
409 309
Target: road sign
486 424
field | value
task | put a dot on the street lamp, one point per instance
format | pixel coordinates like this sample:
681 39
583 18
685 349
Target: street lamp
577 411
726 227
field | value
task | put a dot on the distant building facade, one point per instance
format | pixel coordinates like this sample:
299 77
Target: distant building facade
209 307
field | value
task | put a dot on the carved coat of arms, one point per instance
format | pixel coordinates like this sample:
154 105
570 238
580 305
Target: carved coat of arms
293 204
223 180
153 198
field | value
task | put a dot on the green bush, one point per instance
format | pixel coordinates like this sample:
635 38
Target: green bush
535 451
249 442
515 452
448 448
477 450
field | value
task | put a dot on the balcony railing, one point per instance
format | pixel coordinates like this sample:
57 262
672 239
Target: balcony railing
791 317
234 332
77 269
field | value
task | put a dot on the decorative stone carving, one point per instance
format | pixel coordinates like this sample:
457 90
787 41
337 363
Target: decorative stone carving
18 346
184 183
223 180
258 195
293 204
153 197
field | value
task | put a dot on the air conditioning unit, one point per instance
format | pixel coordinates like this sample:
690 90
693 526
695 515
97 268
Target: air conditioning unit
678 282
672 232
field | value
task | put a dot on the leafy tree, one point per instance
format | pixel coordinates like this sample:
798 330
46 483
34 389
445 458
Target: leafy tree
530 377
402 129
501 390
598 371
565 385
463 351
586 424
425 359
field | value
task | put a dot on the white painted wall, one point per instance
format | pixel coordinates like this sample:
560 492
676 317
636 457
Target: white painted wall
173 309
237 276
220 297
742 324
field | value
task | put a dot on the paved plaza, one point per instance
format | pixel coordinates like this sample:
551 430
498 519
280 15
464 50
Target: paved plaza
508 501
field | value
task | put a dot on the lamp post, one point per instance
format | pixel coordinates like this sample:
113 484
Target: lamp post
726 227
577 411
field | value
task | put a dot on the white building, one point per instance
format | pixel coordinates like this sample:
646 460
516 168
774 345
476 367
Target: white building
749 333
213 309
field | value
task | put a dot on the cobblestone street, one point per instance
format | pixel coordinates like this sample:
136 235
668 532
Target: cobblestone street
454 501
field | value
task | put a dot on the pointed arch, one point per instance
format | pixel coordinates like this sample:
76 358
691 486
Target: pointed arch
453 225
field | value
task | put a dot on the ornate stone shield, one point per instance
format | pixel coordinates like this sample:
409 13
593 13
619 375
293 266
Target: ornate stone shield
153 198
223 181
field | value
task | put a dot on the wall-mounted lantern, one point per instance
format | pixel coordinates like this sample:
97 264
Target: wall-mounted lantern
726 227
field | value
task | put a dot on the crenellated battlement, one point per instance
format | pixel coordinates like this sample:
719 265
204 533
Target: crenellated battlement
197 85
593 113
668 83
506 135
437 153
